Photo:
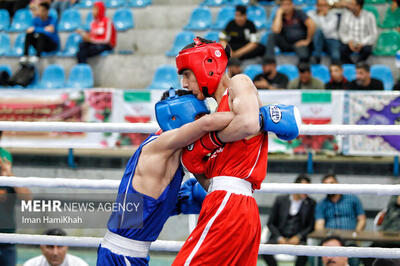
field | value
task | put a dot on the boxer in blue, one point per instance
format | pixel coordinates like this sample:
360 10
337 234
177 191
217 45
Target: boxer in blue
153 178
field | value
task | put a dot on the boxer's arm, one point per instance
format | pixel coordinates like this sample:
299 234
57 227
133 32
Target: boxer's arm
181 137
245 107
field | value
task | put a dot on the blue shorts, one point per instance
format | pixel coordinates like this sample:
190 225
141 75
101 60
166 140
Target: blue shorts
107 258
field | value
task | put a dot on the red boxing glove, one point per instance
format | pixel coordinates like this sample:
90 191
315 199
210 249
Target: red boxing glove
194 156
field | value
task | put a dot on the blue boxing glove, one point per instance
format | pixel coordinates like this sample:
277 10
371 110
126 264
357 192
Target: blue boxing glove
190 198
283 120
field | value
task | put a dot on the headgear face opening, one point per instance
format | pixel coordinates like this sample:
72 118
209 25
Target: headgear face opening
176 111
208 62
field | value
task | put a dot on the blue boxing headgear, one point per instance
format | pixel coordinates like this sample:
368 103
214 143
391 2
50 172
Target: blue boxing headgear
176 111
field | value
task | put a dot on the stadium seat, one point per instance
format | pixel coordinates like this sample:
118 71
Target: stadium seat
212 35
80 77
320 72
164 78
264 38
391 20
70 20
271 16
53 77
4 19
88 21
258 16
299 2
373 2
114 3
200 19
388 43
71 45
384 74
18 48
240 2
374 11
214 2
181 40
289 70
53 13
225 15
35 82
22 20
253 70
306 9
86 3
4 43
349 71
123 19
139 3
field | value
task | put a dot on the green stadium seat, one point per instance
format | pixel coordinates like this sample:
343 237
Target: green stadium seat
374 11
392 19
373 2
388 43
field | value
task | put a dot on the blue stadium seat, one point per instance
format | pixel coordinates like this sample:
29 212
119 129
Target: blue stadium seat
212 35
258 16
306 9
71 45
88 21
35 82
214 2
70 20
383 73
53 13
289 70
349 71
240 2
139 3
253 70
271 16
53 77
114 3
18 48
321 72
80 77
86 3
164 78
4 43
4 19
123 19
225 15
181 40
299 2
264 38
200 19
21 21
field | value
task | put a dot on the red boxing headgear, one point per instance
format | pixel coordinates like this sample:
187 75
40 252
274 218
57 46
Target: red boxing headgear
208 62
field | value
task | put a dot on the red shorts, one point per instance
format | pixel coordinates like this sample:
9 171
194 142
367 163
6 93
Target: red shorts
227 233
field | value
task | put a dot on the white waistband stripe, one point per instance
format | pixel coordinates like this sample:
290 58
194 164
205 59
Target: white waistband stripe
231 184
124 246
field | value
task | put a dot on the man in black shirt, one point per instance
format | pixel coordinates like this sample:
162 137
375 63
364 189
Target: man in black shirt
363 79
338 81
234 67
291 220
270 79
240 33
292 30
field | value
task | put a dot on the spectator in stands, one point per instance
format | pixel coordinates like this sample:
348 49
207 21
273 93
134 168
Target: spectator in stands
292 30
326 37
392 16
61 5
42 35
339 211
386 262
338 81
241 35
34 6
8 200
102 36
291 220
363 79
334 241
234 67
55 255
305 79
358 32
270 79
390 223
13 5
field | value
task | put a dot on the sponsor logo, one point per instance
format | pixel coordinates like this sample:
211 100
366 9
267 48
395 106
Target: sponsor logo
275 113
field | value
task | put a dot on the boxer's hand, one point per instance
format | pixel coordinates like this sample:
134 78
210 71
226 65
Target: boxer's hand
190 198
283 120
194 155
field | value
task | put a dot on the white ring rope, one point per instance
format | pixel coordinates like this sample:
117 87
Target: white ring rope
174 246
375 189
153 127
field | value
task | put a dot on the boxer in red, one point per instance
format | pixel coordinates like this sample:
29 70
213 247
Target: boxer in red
228 229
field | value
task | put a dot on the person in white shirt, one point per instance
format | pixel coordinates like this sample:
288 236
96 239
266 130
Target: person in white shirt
55 255
358 32
326 37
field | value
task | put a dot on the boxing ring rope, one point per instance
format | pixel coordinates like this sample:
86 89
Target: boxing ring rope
174 246
375 189
152 127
